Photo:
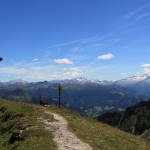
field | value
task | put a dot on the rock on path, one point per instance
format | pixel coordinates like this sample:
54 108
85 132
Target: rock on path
65 139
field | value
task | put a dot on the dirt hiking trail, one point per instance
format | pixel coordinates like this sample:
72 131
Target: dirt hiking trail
65 139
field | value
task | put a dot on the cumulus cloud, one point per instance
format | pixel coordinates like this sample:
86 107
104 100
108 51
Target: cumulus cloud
146 68
41 71
106 56
145 65
74 72
63 61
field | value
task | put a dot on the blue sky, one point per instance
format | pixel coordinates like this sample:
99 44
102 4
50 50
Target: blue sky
58 39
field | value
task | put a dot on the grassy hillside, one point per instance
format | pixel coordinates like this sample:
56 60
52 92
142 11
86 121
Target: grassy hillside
101 136
20 130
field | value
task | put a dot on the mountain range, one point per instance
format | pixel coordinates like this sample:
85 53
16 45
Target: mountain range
125 82
87 96
129 81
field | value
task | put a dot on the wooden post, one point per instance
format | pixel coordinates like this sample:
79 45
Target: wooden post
59 100
59 93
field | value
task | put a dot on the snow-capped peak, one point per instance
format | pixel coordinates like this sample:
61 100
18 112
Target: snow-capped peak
19 81
82 80
132 80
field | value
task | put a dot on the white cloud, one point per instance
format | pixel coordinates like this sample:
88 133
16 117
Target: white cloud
41 71
146 71
41 76
146 68
35 59
106 56
73 69
63 61
145 65
12 70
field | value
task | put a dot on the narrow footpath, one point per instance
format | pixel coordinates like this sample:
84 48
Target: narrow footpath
65 139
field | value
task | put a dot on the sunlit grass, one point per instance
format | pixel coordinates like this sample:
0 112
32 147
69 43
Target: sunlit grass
20 128
101 136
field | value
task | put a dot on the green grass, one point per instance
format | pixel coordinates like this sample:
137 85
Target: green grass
101 136
20 129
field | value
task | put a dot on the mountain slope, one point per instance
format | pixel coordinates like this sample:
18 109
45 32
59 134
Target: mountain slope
131 80
86 97
140 84
97 99
21 130
90 98
135 119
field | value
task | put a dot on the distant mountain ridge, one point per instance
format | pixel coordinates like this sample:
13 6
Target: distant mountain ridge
122 82
81 80
132 80
87 96
17 81
140 84
14 82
